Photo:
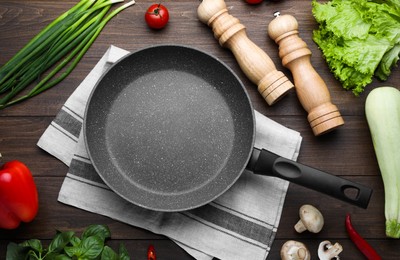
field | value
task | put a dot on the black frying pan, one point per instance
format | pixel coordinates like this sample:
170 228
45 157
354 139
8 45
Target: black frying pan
171 128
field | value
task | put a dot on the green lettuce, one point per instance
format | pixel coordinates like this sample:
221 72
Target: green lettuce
359 39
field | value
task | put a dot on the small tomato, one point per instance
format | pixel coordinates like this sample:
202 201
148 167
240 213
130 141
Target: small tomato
157 16
253 2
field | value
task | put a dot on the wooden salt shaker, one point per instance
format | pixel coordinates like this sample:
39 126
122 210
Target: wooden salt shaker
253 61
311 90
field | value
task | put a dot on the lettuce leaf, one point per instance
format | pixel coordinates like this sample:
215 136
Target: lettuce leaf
359 39
389 60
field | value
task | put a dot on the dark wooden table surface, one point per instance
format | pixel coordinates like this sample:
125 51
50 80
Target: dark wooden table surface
346 152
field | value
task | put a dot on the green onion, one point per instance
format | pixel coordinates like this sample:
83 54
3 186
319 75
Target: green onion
60 45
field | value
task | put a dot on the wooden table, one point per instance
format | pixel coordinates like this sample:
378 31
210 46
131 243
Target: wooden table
346 152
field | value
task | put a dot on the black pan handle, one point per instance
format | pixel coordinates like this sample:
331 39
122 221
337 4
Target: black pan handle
264 162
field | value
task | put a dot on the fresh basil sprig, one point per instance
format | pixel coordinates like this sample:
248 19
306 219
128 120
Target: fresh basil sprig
66 245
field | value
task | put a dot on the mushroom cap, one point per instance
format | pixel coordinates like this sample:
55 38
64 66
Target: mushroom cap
294 250
311 218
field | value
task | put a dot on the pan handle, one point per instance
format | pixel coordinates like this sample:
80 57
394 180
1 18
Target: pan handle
264 162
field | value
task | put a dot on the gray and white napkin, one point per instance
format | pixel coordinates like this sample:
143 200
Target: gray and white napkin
241 224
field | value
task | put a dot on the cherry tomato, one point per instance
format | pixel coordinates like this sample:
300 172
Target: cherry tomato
157 16
253 2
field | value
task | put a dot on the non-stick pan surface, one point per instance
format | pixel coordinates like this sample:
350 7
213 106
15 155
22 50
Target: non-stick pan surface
169 128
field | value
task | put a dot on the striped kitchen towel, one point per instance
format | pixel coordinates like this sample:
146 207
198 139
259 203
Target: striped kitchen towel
240 224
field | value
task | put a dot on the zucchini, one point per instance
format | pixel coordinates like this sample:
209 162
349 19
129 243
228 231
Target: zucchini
382 109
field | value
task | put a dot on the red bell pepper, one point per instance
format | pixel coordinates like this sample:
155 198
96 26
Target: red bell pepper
18 195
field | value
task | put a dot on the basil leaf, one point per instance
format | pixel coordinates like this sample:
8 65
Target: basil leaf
34 244
97 230
72 251
60 257
60 241
54 256
67 246
92 247
108 254
15 251
89 248
75 241
123 253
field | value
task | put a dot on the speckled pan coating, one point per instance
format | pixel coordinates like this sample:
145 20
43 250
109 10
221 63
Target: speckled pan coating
169 128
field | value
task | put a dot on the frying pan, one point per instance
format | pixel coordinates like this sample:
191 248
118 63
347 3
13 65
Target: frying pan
171 128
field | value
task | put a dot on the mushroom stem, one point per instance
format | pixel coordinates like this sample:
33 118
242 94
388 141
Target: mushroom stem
297 253
327 251
299 227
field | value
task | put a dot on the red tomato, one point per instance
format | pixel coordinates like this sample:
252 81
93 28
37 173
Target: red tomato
157 16
253 2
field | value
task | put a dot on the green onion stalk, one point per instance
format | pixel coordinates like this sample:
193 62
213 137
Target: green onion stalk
60 45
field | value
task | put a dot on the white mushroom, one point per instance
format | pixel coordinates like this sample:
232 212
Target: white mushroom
327 251
311 219
294 250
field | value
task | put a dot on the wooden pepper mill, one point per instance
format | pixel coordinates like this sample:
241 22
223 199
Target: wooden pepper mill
253 61
311 90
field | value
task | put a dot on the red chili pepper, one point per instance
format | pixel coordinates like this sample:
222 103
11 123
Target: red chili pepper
360 242
18 195
151 253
